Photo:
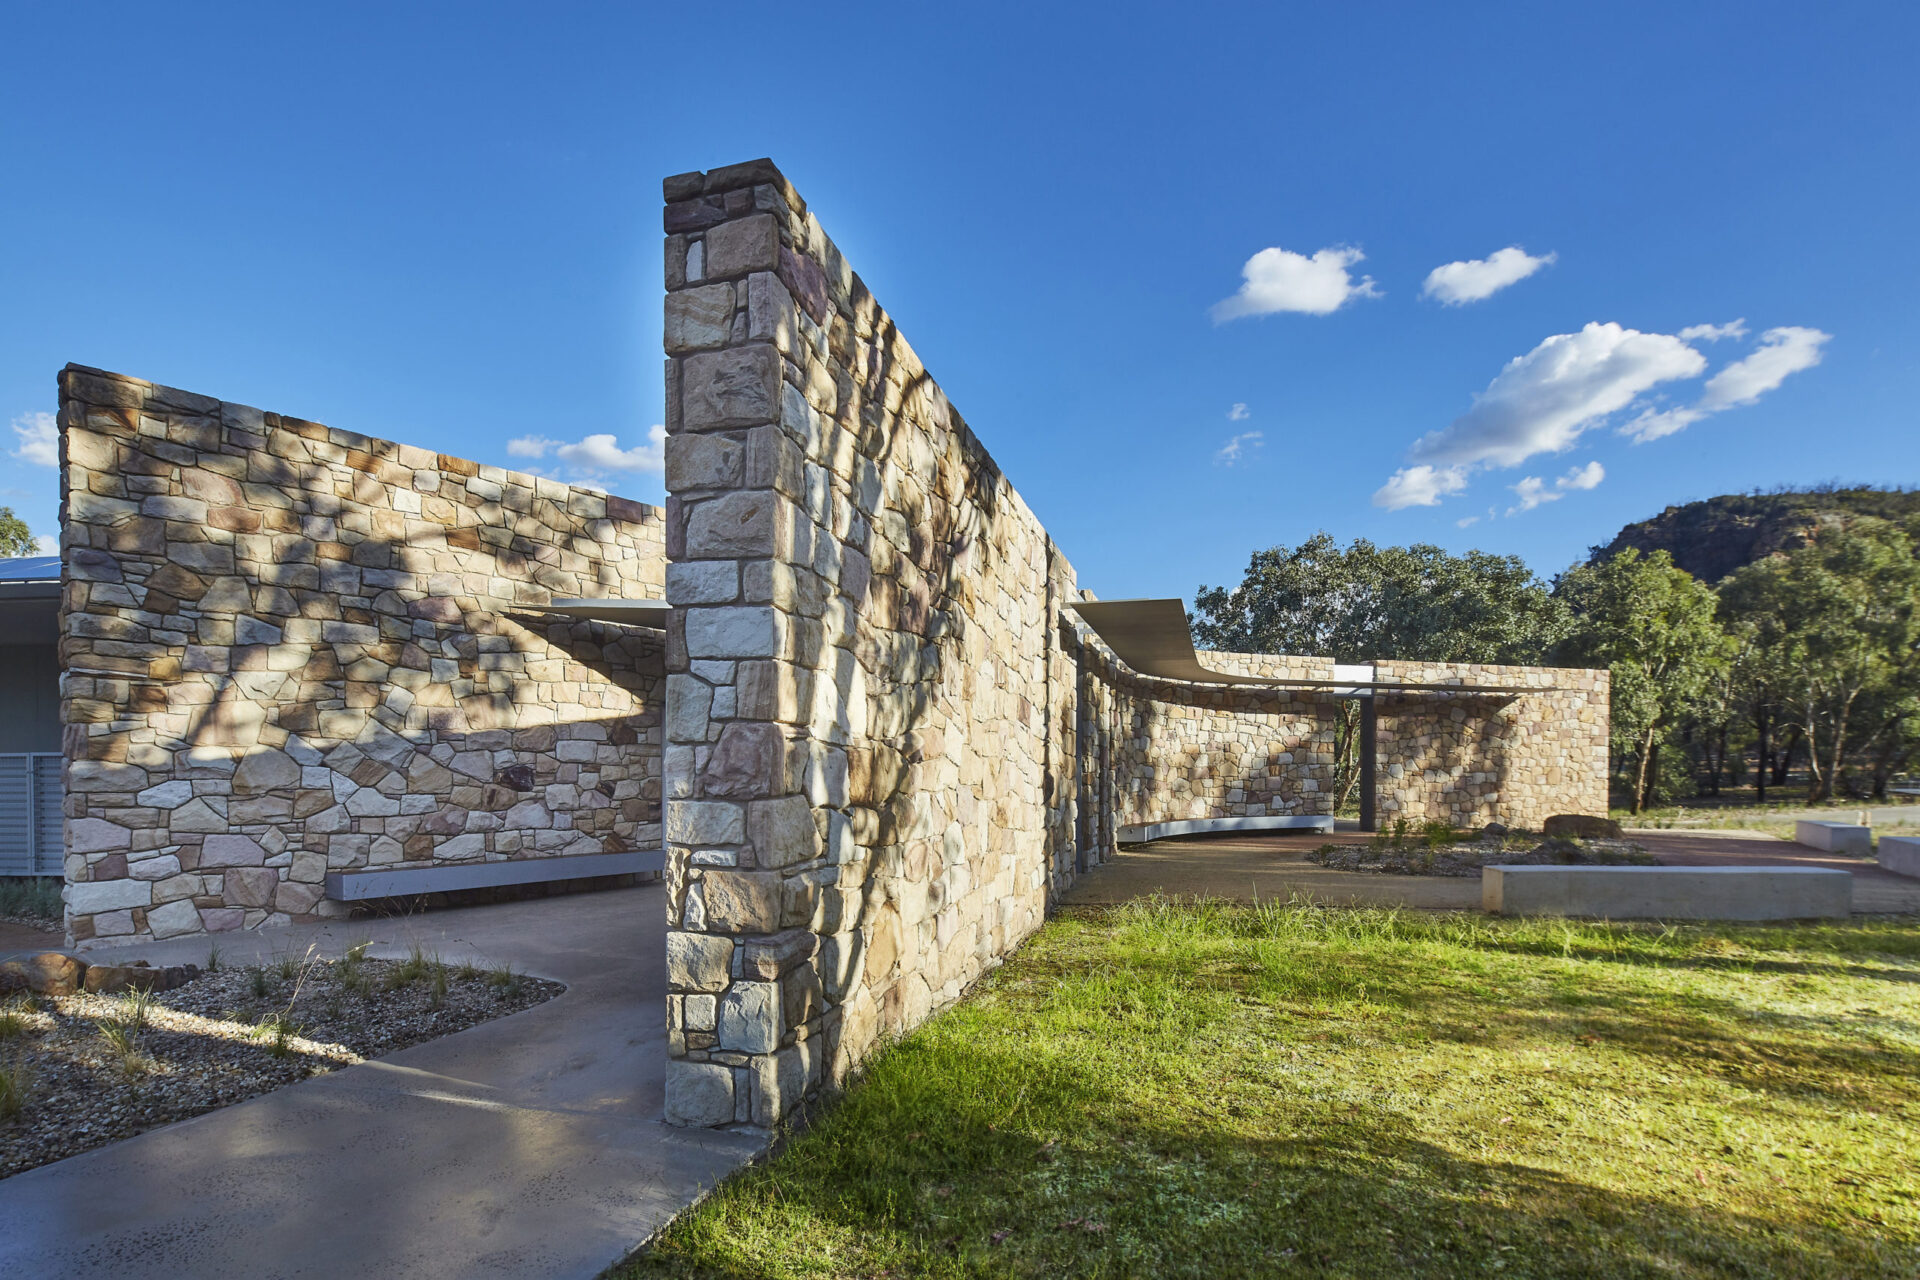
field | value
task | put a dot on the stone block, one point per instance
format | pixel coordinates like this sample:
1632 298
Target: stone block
747 762
49 974
742 246
749 1018
703 582
251 886
737 387
1900 854
87 898
704 462
699 961
1834 837
699 1094
782 831
96 835
701 822
1668 893
742 901
735 525
736 631
768 959
232 851
699 319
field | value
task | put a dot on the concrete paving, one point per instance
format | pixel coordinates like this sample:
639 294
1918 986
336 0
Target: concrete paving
528 1146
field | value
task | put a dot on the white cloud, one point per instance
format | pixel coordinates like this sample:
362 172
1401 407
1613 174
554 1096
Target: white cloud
1542 401
1458 283
1714 332
592 461
39 439
1533 491
1782 353
46 544
1279 280
530 447
1587 477
1234 450
589 460
1420 486
1466 522
1238 413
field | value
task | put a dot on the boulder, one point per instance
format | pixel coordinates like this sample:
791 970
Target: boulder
49 974
1581 826
110 979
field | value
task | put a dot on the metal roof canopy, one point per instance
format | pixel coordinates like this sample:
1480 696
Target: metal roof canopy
1151 636
632 613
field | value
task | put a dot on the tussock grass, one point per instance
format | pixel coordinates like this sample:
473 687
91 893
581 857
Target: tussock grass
32 898
1200 1089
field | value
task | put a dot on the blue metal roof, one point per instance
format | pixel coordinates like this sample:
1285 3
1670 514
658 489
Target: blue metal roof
30 569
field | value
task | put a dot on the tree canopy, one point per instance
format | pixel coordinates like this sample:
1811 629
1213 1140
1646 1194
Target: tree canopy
1362 602
16 539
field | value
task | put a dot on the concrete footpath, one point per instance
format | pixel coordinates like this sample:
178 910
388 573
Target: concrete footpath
527 1146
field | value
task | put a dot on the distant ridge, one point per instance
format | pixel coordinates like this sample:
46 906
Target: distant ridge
1713 537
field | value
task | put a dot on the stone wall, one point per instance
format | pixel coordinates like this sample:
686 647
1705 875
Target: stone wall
1175 750
1209 751
887 746
869 704
290 650
1474 758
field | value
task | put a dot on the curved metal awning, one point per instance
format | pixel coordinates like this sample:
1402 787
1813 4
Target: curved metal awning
1151 636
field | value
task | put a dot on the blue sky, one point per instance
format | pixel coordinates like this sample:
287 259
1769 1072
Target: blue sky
442 226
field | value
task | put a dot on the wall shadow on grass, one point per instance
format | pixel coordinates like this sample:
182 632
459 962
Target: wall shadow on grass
966 1154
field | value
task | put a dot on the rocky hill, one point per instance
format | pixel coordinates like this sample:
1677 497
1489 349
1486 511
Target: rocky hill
1712 538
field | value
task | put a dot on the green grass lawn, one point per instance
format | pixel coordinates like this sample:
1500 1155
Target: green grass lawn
1206 1090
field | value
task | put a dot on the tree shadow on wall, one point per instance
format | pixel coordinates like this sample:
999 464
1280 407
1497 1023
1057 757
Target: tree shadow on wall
386 682
1483 745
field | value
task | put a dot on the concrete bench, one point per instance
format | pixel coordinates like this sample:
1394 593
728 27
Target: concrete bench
1142 833
404 881
1834 837
1900 854
1668 893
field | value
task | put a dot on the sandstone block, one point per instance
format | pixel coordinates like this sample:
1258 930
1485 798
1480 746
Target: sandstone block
742 901
699 962
698 822
737 631
251 886
232 851
699 1093
49 974
738 387
699 319
703 581
745 523
742 246
703 462
749 1018
782 831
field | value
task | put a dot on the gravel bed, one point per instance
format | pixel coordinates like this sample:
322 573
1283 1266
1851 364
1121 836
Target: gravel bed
222 1038
1467 859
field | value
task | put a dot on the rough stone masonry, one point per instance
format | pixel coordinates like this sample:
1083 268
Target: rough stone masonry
887 745
883 742
289 650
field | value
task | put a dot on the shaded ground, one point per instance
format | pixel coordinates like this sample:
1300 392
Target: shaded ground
1160 1090
95 1069
1268 868
531 1145
18 937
